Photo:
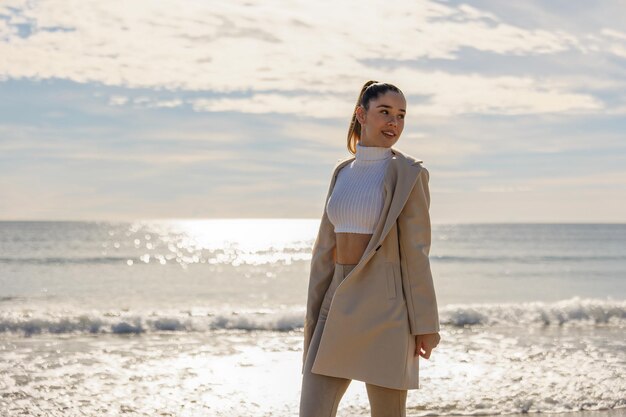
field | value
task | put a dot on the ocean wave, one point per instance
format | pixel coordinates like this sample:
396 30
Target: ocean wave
574 311
526 258
293 254
56 260
581 312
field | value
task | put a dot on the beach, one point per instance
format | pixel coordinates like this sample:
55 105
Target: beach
155 319
257 373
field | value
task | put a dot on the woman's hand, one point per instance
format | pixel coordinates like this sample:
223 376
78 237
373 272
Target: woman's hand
427 342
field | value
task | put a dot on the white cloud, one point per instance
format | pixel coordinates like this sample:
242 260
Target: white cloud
597 179
504 189
168 103
305 105
146 102
117 100
449 94
314 53
613 33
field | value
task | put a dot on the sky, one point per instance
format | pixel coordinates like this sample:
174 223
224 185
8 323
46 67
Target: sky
123 110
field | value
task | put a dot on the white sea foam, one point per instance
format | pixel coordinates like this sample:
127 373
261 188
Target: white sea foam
574 311
580 312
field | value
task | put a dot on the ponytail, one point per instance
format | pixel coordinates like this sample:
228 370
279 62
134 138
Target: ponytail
354 132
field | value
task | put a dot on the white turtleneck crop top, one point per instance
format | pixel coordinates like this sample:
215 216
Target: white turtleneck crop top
358 195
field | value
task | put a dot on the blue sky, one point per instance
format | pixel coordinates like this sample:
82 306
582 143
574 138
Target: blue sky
222 109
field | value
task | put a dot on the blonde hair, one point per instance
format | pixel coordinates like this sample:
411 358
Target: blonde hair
370 90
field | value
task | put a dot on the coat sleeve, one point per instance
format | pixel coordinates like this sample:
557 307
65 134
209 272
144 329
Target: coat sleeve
414 234
322 270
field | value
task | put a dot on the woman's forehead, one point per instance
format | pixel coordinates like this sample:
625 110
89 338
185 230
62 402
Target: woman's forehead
390 99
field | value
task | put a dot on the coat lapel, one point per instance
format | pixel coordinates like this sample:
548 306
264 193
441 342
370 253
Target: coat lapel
399 179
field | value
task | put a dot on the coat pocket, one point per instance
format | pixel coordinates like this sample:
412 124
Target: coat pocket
391 280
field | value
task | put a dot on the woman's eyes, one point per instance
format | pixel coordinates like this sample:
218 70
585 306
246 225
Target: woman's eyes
385 111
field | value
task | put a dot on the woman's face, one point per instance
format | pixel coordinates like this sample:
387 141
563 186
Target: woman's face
383 122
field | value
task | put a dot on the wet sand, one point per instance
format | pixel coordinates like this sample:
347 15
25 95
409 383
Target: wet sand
620 412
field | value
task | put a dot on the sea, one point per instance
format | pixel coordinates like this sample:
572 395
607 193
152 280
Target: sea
204 318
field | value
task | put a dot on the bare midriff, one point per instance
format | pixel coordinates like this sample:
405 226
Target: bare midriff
351 246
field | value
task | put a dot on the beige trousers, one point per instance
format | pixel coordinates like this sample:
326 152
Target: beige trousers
321 394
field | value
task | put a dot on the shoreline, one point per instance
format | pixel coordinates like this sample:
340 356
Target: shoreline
613 412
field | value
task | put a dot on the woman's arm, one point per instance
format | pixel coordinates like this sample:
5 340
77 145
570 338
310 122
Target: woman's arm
414 238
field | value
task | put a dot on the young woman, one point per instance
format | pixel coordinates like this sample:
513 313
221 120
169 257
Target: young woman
371 306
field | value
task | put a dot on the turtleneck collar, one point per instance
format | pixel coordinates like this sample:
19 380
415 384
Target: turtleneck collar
372 153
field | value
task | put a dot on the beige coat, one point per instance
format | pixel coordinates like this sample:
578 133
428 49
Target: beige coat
389 295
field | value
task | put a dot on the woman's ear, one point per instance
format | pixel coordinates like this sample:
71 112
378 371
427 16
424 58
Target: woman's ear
360 115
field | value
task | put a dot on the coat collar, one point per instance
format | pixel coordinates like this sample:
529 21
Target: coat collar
400 176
